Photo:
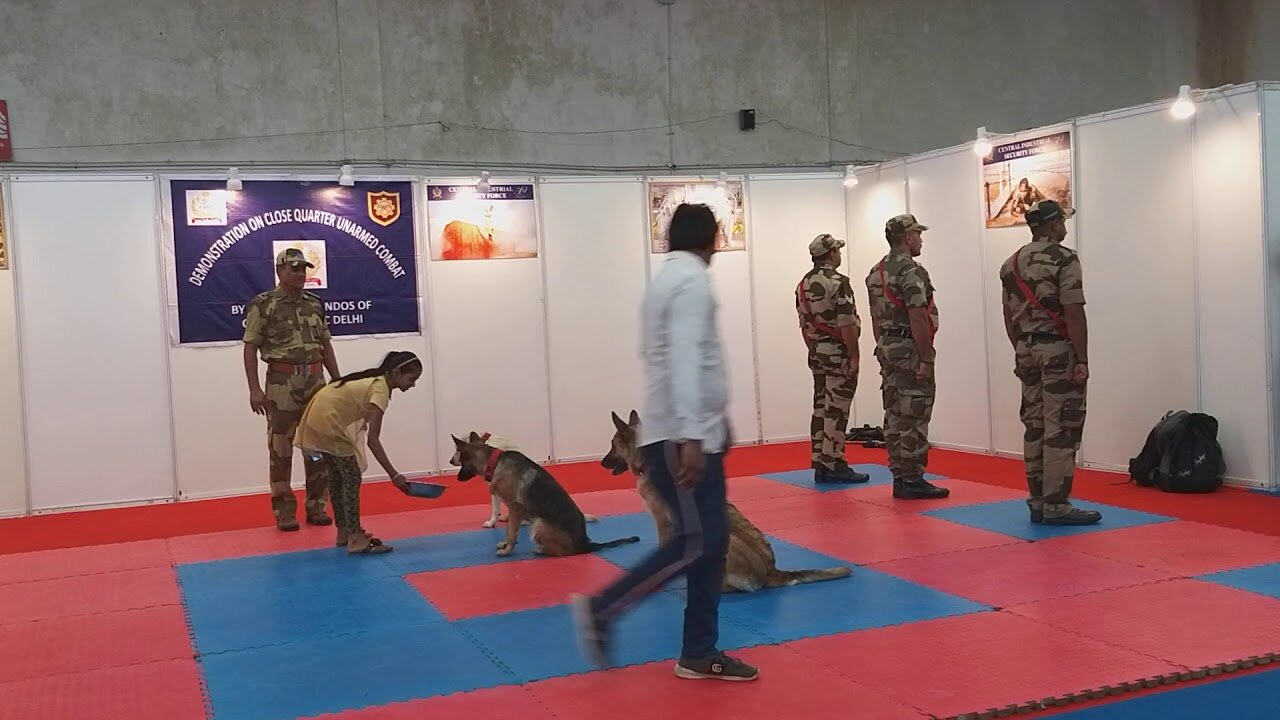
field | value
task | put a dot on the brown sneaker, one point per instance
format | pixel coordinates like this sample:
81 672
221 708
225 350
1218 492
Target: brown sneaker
716 667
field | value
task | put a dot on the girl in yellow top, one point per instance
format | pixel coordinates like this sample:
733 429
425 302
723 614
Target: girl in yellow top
333 427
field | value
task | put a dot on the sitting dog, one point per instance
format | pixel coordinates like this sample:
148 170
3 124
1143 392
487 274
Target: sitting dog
495 501
750 563
528 490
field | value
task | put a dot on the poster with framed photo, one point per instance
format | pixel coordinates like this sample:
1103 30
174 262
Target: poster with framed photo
466 223
1019 174
728 203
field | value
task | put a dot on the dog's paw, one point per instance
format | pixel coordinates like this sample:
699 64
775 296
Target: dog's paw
505 550
489 523
503 545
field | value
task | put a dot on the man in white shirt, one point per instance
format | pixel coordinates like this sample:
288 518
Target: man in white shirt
684 437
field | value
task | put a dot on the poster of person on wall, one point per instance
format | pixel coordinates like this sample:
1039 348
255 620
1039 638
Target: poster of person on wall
467 224
728 204
359 240
1017 175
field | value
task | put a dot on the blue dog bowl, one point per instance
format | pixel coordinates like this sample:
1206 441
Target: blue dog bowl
424 489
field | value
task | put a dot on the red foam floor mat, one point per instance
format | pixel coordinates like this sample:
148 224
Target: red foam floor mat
891 537
70 562
963 492
509 586
742 489
244 543
812 508
1187 622
167 690
789 686
92 642
1183 547
510 701
88 594
974 662
1014 574
609 502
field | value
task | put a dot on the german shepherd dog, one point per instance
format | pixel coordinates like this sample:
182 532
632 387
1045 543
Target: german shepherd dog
528 490
750 563
494 500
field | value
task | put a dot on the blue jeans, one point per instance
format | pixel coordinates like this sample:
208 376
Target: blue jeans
697 550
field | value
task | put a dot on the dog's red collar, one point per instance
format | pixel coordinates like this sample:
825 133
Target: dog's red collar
493 463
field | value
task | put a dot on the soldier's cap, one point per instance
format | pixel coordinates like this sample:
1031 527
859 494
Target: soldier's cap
1047 210
294 257
824 244
899 224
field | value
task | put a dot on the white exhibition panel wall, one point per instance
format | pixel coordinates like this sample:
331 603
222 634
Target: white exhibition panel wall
1137 230
1271 185
1231 271
221 446
490 357
594 261
786 214
998 244
95 366
952 253
13 483
879 195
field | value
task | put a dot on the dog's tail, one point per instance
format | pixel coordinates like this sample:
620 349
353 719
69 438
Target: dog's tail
594 546
783 578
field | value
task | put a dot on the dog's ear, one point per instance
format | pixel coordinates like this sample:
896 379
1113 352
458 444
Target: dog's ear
617 422
456 441
635 418
474 437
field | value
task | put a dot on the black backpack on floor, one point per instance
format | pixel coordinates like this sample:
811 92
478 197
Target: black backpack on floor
1182 455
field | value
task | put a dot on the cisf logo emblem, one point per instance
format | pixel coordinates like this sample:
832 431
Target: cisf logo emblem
384 207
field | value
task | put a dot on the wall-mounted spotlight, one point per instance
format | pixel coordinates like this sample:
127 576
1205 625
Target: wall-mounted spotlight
982 146
346 178
233 179
850 179
1184 107
483 185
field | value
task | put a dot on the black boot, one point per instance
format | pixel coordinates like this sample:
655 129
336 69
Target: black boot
1075 516
918 489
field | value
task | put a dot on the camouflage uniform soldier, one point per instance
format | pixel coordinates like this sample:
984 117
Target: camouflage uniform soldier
287 327
1042 291
830 325
904 321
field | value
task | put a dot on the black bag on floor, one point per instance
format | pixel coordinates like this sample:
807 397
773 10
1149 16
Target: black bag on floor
1182 455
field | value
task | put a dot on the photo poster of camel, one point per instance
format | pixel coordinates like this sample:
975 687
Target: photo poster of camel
1017 175
728 203
466 224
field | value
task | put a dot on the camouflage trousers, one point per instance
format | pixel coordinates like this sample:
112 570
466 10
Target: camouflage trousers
344 478
1053 410
908 408
287 396
832 397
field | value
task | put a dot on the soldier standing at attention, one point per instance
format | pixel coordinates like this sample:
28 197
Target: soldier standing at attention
1042 292
830 326
904 321
286 325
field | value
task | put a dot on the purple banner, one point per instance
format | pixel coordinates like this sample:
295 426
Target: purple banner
496 192
360 239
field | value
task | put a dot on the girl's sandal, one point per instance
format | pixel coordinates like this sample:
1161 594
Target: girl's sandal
375 547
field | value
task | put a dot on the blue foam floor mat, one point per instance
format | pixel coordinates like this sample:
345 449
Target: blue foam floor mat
1261 579
880 475
1011 517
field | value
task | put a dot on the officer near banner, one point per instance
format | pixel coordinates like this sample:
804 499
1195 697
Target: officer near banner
1042 293
287 327
904 322
830 326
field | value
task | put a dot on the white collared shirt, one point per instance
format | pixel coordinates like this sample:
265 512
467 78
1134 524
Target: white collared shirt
686 388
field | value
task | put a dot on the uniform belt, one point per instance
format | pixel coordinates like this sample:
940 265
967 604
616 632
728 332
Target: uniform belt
896 332
295 368
1041 337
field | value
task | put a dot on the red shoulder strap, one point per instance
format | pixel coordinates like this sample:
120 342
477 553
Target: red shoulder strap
894 299
802 300
1030 295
